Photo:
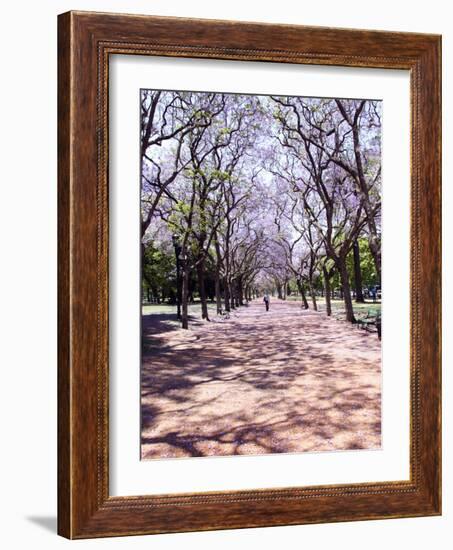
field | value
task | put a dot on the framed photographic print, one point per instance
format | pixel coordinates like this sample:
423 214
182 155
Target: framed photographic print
249 275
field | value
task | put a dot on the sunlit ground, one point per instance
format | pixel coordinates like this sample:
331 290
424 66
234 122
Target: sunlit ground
285 381
195 308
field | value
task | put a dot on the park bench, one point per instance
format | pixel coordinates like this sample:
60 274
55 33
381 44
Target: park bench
370 320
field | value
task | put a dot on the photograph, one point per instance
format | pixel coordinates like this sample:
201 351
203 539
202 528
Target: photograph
260 274
232 234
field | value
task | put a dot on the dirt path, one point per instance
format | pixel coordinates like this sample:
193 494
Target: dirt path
278 382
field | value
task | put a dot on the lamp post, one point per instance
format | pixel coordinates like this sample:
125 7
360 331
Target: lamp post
177 247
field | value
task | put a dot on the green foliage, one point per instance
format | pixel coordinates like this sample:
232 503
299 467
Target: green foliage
159 273
220 175
369 276
193 172
182 207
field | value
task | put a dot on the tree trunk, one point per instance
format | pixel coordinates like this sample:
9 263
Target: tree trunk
327 291
240 292
232 295
247 293
375 245
218 297
375 249
313 296
202 290
300 287
227 296
344 276
185 297
357 273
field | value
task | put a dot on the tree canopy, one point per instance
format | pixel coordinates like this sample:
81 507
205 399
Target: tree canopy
259 193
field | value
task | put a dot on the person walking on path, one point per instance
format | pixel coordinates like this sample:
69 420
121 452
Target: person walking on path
266 301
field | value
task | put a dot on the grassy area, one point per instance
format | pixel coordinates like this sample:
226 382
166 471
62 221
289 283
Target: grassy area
337 304
158 309
195 308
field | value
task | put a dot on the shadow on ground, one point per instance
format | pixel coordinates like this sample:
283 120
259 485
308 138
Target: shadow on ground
287 381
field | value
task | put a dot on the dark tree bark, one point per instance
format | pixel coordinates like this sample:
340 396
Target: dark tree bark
227 295
301 289
313 295
185 297
218 296
375 249
240 292
235 293
357 273
359 176
344 277
327 290
218 266
202 289
232 296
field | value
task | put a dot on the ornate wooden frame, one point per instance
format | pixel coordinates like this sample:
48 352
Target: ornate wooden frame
85 41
